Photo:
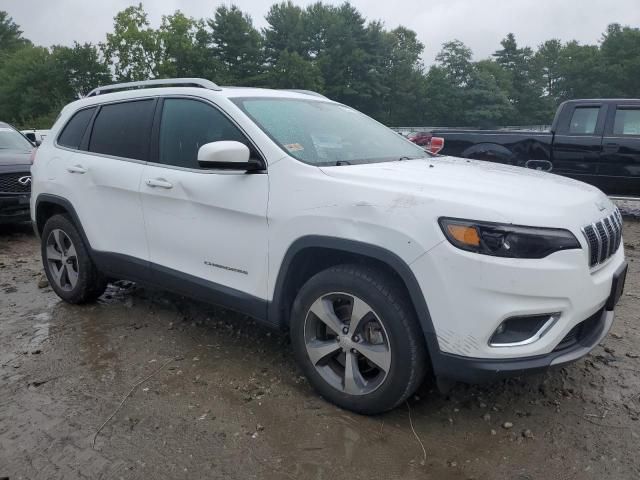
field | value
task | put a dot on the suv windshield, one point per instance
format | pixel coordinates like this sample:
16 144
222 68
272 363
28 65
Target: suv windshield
322 133
12 140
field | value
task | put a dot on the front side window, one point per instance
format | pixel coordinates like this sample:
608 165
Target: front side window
10 139
73 132
186 125
323 133
123 129
584 120
627 122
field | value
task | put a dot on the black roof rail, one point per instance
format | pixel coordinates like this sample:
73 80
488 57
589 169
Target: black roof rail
183 82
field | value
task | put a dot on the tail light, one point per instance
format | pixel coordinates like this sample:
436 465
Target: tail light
435 145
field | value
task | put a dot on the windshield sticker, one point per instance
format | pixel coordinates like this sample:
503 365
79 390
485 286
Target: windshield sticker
294 147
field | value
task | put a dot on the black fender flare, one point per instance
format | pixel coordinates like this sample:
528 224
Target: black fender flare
362 249
479 151
68 207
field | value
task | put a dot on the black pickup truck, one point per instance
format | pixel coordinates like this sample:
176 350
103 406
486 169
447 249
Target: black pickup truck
595 141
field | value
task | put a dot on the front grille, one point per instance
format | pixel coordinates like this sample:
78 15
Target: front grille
603 238
9 183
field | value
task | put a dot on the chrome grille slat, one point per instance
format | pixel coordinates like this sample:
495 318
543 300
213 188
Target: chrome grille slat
603 238
618 231
592 241
612 239
604 242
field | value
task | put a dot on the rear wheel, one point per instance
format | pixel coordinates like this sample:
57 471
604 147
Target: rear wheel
357 340
67 264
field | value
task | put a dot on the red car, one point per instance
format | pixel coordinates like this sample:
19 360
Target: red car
428 141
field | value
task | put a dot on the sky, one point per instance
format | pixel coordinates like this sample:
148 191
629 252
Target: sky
480 24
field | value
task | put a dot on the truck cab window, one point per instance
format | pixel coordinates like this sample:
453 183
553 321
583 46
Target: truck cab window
584 120
627 122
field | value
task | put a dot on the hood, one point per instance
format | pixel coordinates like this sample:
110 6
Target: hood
15 157
497 192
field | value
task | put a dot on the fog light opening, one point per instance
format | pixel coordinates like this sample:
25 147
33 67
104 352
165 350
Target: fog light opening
522 330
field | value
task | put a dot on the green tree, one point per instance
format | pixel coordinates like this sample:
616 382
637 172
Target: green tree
32 88
526 81
133 49
582 74
347 53
402 72
184 48
293 71
11 38
445 103
285 31
455 60
237 45
487 104
548 58
81 67
620 56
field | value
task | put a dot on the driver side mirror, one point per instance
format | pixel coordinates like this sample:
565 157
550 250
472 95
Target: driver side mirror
227 155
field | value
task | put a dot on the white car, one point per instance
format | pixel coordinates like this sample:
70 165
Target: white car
384 261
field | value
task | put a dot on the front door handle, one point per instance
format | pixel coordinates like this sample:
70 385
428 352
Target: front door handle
77 169
611 147
159 182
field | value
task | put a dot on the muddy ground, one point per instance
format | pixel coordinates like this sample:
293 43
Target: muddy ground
225 400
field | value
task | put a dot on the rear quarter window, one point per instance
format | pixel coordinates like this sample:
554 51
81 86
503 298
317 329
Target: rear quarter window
123 129
75 128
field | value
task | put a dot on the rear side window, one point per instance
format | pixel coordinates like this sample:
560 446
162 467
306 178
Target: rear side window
186 125
73 132
627 122
584 121
123 129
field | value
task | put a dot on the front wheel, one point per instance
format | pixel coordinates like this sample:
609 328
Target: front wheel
356 338
67 264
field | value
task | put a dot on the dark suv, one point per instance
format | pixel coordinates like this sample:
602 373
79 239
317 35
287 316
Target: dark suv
15 175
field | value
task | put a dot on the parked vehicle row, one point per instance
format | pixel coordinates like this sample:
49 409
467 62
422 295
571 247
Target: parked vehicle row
594 141
383 261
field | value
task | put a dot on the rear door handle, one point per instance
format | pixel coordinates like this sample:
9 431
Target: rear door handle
77 169
544 165
159 182
611 147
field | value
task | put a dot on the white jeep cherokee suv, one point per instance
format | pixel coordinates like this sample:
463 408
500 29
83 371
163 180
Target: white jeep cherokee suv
384 261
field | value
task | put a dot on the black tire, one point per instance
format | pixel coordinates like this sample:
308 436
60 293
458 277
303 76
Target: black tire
389 304
89 282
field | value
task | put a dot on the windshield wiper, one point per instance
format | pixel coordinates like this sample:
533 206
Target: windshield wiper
339 163
400 159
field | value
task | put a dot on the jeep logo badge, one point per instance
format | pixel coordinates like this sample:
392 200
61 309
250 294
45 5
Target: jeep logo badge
25 180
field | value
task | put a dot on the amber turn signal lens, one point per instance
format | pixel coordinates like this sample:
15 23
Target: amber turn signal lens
465 235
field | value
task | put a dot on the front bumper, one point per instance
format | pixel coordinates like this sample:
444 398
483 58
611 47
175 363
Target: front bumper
14 208
576 344
470 295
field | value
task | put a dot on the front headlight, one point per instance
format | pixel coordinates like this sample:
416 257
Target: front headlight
501 240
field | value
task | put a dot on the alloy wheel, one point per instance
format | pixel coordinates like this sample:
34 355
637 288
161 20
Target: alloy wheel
347 343
62 260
